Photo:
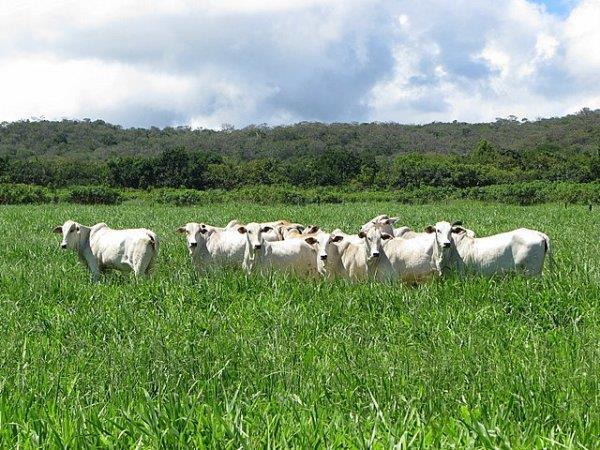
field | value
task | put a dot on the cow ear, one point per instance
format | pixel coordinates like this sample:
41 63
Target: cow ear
242 230
337 238
265 229
394 219
362 234
311 240
458 230
203 230
429 229
57 230
458 222
77 228
386 236
181 230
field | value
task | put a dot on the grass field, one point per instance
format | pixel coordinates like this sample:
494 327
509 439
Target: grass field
229 361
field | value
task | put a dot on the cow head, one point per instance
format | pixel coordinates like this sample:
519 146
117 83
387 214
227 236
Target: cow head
196 234
290 230
442 232
311 229
459 232
73 235
254 234
323 242
373 239
385 223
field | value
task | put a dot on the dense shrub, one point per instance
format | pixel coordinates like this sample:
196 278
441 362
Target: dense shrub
24 193
524 193
92 195
186 197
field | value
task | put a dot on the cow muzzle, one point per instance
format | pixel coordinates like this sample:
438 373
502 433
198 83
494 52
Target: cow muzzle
193 244
323 257
375 255
446 245
63 246
257 246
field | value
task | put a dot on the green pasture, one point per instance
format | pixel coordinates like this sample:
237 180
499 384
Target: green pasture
230 361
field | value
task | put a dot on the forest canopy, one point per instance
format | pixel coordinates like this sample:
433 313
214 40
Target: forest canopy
365 155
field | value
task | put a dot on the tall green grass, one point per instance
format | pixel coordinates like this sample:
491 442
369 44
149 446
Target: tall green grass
228 360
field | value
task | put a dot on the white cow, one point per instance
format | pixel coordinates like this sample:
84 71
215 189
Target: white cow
211 246
254 243
521 250
407 233
328 256
279 229
362 257
289 255
386 222
100 247
292 255
422 256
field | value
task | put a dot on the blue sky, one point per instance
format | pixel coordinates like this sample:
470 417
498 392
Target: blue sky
213 62
559 7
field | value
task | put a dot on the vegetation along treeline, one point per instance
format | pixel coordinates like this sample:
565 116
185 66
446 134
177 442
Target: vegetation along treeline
450 158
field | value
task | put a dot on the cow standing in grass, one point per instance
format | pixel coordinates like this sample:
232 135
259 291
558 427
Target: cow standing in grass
211 246
521 250
362 256
292 255
100 247
423 256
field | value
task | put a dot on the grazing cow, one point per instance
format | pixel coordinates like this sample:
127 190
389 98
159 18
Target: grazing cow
100 247
362 257
422 256
211 246
521 250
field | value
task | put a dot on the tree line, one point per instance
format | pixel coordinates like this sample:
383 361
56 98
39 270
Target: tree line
336 166
372 155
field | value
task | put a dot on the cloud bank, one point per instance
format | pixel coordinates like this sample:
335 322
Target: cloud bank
179 62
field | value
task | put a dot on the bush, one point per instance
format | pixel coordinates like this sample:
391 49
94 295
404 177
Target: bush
187 197
94 195
24 193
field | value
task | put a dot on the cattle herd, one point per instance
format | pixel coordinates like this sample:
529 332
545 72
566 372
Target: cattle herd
378 251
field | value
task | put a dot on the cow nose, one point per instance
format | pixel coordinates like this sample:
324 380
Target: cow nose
375 254
63 245
257 246
193 244
446 244
323 257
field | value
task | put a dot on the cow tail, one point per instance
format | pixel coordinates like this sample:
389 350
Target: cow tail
153 241
549 252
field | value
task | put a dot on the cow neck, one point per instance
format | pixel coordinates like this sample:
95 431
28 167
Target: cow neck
84 251
438 256
251 255
460 252
201 249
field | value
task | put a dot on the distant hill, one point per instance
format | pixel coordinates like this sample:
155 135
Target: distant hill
98 140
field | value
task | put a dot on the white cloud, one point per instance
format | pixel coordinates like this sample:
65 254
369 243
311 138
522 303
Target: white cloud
141 62
527 57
